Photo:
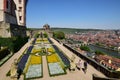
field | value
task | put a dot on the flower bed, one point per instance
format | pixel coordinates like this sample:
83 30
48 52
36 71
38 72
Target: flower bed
35 59
55 69
62 56
51 49
52 58
29 50
46 41
36 49
39 40
34 71
23 61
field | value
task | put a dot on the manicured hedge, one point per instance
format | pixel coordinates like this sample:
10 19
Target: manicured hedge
4 52
14 43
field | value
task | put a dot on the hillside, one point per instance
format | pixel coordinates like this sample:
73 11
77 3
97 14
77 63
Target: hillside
73 30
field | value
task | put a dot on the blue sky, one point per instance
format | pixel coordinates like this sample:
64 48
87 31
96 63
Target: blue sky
92 14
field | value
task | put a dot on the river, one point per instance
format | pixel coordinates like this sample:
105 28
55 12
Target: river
108 52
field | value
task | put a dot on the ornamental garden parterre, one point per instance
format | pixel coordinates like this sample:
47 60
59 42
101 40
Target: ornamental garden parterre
31 65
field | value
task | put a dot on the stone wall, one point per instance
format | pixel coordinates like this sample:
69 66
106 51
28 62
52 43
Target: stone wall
10 18
10 30
1 15
5 29
17 30
96 77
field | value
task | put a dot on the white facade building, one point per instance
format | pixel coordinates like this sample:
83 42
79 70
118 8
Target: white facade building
13 11
21 11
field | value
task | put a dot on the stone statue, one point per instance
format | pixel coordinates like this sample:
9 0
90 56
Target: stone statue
73 58
13 70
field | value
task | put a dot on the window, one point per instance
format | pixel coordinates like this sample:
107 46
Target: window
20 1
20 9
20 18
7 4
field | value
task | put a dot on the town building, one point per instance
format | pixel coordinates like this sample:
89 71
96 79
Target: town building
13 18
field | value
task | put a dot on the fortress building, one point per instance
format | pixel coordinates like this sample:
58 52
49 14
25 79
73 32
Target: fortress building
13 18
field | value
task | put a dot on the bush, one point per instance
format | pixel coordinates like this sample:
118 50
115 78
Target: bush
99 52
4 52
14 43
59 35
36 35
18 43
86 48
45 35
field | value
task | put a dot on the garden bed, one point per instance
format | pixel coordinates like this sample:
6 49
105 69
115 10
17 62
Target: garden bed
33 67
55 69
34 71
55 65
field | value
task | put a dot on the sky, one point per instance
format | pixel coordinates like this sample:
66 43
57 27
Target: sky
85 14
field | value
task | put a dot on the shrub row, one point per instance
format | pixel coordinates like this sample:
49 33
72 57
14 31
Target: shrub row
4 52
14 43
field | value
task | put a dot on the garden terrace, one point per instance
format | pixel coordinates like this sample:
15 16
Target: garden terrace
31 62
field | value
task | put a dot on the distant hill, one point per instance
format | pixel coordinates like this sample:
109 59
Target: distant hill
73 30
67 30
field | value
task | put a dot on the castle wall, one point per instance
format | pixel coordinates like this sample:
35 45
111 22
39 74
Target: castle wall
12 30
1 15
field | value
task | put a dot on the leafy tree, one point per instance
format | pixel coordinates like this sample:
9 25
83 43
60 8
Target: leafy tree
59 35
36 35
98 52
86 48
14 43
45 35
